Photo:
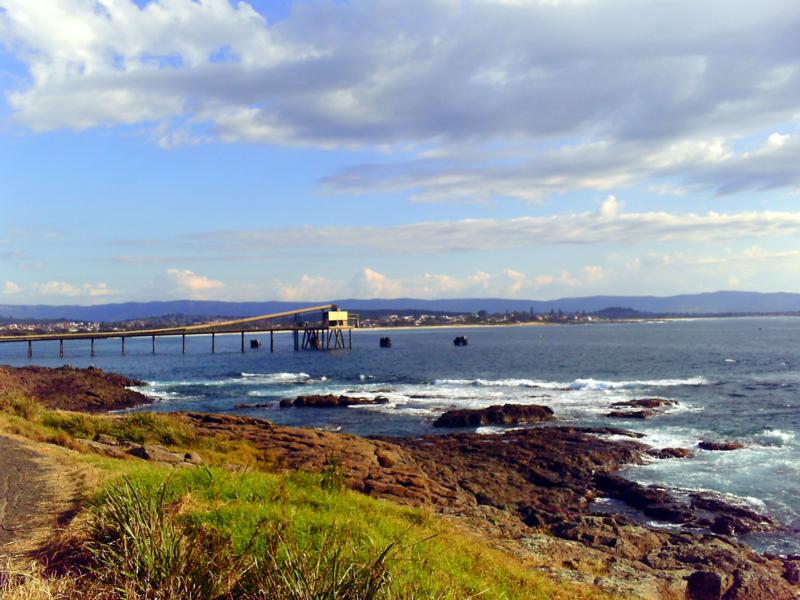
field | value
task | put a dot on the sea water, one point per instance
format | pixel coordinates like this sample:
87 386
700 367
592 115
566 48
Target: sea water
731 378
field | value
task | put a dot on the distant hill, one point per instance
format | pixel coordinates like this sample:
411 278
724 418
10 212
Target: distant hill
709 303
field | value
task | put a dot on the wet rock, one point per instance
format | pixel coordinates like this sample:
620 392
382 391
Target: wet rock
252 405
631 414
729 518
330 401
507 414
645 403
670 453
653 501
723 446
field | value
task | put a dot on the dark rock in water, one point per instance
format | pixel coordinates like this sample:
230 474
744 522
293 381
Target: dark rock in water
252 405
631 414
507 414
704 510
330 401
653 501
385 342
671 453
461 340
645 403
728 518
724 446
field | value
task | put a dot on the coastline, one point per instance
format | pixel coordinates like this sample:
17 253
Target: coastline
528 491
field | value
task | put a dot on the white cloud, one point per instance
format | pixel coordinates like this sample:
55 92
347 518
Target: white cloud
187 284
305 288
369 283
609 225
629 90
11 289
55 290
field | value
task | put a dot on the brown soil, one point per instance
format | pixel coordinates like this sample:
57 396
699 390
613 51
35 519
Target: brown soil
39 491
68 388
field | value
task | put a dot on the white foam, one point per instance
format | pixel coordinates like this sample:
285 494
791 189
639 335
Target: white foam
774 437
276 378
577 384
494 430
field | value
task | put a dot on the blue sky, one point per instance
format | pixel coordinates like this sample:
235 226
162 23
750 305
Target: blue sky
317 149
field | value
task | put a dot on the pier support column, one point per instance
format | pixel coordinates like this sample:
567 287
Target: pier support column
30 349
60 348
154 344
296 334
243 342
272 341
183 343
123 345
213 343
91 351
350 338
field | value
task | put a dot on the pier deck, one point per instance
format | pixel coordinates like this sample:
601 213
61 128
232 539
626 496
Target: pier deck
316 336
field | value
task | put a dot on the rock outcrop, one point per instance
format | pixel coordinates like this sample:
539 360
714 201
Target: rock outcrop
536 486
631 414
721 446
644 403
330 401
507 414
68 388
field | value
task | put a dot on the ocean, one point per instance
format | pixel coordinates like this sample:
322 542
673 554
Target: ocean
731 378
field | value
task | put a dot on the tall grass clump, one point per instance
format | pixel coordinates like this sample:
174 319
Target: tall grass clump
143 550
18 405
329 571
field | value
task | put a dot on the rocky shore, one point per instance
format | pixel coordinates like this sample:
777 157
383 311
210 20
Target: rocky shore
532 491
541 493
68 388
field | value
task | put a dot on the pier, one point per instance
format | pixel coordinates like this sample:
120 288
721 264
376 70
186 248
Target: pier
326 334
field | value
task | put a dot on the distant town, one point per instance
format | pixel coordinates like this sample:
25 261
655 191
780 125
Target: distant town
368 319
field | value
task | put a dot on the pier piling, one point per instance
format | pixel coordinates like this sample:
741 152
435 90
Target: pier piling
243 342
123 345
60 348
213 343
30 349
91 346
272 341
183 343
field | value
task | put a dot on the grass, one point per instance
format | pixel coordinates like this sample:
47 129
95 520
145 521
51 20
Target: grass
22 416
289 536
157 533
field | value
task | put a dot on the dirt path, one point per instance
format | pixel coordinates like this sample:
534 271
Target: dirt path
37 491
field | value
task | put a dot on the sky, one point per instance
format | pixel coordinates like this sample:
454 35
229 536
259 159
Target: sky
317 149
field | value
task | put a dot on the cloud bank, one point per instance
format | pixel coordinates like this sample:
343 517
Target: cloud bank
481 98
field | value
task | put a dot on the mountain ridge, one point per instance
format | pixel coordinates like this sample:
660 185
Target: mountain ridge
708 303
